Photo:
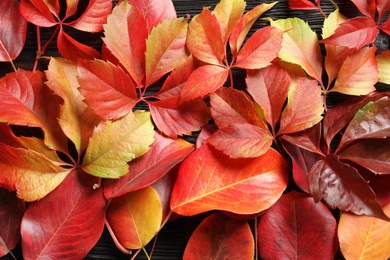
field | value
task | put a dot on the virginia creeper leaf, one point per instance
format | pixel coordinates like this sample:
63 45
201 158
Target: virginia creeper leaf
114 143
383 61
162 156
243 26
11 213
204 39
354 33
228 12
135 218
300 45
125 34
230 106
76 119
25 100
385 27
368 8
220 237
304 107
358 73
310 139
269 88
209 180
371 154
74 225
297 228
203 81
12 30
37 12
31 174
165 48
260 49
369 241
241 140
301 5
107 89
173 118
372 121
382 6
204 134
341 186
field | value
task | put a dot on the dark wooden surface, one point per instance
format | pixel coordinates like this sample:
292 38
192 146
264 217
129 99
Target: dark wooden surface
172 239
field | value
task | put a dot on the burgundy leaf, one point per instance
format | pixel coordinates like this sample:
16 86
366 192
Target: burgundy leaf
162 156
341 186
12 30
297 228
11 213
64 223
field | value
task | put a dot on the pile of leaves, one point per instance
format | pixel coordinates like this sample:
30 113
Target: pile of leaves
280 174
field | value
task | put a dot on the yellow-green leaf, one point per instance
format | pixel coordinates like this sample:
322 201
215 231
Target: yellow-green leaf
115 143
383 61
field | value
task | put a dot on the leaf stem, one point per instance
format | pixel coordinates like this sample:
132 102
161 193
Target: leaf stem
146 253
115 239
135 254
9 56
256 245
41 50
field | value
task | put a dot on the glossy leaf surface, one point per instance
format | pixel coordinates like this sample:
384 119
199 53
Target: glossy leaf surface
209 180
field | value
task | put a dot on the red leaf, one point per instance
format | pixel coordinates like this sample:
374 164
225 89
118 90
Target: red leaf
243 26
354 33
204 134
73 50
204 39
155 11
260 49
382 6
94 16
107 89
220 237
297 228
11 213
37 12
368 8
386 26
12 30
230 106
175 119
209 180
269 88
241 140
301 5
162 156
372 154
74 225
203 81
342 187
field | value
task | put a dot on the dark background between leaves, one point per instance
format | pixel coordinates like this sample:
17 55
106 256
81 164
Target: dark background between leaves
172 239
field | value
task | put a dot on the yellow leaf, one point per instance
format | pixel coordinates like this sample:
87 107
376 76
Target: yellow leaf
135 218
383 61
115 143
300 45
363 237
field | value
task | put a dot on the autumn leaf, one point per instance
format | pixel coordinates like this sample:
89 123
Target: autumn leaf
385 27
220 237
243 26
364 237
358 73
11 213
260 49
74 226
301 5
165 49
135 218
13 29
31 174
297 228
162 156
354 33
303 109
114 143
382 6
383 61
209 180
111 94
341 186
241 140
300 45
366 7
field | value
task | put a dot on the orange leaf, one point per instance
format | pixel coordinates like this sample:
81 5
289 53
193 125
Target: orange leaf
358 74
209 180
204 39
383 61
220 237
363 237
135 218
260 49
